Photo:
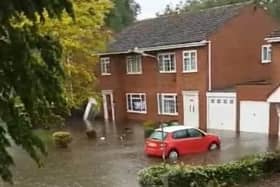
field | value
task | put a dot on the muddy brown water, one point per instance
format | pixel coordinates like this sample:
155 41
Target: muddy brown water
115 161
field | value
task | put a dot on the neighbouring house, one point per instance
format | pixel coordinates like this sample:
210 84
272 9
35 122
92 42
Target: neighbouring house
199 68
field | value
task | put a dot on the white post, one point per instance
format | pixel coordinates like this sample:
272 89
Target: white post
91 102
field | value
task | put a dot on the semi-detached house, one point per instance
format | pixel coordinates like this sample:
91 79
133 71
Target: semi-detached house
195 68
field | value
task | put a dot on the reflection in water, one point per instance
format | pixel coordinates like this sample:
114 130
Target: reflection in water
116 161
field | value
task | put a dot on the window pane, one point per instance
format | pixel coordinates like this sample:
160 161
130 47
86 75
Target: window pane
166 63
193 61
160 104
105 65
129 102
264 53
180 134
158 135
190 61
136 103
167 104
134 64
269 53
194 133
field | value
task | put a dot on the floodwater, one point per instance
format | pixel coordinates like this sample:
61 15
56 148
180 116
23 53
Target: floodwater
115 161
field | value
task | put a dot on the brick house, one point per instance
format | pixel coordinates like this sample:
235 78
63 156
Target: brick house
192 67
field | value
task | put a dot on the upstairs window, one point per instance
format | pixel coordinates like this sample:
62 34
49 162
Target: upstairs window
167 63
134 64
136 102
190 61
105 66
167 104
266 54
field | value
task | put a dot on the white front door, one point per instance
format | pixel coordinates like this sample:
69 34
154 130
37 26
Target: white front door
191 108
254 116
108 105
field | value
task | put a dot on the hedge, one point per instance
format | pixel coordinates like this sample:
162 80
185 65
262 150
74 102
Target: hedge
150 126
230 174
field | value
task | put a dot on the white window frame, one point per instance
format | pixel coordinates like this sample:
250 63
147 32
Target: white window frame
269 49
161 103
129 70
104 62
196 60
136 94
169 54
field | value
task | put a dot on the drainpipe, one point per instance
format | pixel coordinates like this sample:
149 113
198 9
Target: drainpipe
278 113
209 65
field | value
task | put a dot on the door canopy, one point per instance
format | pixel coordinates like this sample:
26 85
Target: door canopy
275 96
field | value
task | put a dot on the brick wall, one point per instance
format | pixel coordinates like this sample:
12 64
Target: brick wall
152 82
236 48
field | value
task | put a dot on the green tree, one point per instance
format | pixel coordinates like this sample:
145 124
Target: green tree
123 14
81 40
31 77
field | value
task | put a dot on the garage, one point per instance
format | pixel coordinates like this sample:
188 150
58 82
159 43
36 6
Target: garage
254 116
221 110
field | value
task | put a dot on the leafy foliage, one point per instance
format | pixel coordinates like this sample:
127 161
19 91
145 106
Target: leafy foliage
230 174
31 77
81 40
193 5
123 14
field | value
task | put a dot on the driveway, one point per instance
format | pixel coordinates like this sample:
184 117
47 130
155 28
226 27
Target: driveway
115 161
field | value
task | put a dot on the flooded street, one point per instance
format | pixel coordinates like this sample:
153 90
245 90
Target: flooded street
115 161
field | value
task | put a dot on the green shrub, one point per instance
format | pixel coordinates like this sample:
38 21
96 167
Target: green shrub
150 124
148 132
62 139
149 128
230 174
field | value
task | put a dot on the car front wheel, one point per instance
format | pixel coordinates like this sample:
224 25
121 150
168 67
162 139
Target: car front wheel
173 155
213 146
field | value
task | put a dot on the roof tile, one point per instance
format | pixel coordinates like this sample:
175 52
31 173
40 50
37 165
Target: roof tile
174 29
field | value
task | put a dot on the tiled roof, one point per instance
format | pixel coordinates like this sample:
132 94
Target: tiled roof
174 29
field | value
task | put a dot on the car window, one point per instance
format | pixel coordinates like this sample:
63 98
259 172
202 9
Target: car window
194 133
180 134
158 135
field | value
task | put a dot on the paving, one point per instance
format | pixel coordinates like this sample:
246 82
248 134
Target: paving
115 161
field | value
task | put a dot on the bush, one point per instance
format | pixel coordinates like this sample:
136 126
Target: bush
230 174
62 139
150 124
149 128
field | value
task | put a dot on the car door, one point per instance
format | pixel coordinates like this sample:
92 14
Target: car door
196 141
180 139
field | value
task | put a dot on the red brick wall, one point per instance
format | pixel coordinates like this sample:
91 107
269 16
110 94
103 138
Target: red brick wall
253 92
274 120
275 65
151 82
236 48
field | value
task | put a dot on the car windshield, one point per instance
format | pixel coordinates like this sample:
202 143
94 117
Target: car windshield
158 135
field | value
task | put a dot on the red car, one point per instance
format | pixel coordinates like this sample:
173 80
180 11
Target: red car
180 140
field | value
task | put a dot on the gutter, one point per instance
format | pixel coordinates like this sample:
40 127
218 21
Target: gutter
209 65
272 40
158 48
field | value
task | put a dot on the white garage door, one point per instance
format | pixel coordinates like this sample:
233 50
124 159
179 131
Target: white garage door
221 111
254 116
